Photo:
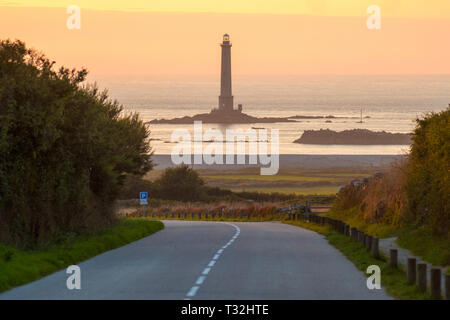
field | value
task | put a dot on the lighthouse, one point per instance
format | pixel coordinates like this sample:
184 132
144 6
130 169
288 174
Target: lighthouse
226 97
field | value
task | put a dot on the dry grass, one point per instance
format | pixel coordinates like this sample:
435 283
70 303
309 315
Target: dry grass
242 210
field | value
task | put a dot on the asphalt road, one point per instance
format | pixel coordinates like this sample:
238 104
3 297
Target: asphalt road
213 260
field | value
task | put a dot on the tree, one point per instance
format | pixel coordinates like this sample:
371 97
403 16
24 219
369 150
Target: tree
180 183
428 182
65 148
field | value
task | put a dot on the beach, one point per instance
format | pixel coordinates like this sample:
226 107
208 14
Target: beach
297 161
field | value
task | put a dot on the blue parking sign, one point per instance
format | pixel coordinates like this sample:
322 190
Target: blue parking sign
143 196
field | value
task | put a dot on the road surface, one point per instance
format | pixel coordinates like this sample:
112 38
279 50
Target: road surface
213 260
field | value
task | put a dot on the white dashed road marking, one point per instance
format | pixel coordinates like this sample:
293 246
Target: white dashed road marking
193 291
206 271
200 280
212 263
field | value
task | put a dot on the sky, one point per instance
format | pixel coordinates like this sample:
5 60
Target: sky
271 38
391 8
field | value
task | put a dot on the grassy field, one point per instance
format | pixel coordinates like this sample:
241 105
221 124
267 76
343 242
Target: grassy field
304 178
318 190
393 280
289 181
18 267
295 181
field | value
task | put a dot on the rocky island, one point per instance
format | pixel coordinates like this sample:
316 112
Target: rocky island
353 137
220 116
234 116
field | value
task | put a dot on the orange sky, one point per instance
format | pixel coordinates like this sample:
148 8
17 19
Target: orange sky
391 8
329 40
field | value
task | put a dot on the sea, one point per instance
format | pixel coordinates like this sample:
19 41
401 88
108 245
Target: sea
389 103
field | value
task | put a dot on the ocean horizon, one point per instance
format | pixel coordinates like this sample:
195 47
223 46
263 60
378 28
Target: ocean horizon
389 103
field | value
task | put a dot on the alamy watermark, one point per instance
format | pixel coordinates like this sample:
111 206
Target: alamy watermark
214 147
374 20
74 280
74 20
374 281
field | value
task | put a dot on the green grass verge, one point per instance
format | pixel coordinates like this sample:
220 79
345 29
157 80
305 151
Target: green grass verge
18 267
353 218
392 279
419 240
423 243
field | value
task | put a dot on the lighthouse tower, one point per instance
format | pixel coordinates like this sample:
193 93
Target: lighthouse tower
226 97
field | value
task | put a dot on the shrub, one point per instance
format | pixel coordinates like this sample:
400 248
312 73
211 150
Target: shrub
181 183
428 182
65 149
414 192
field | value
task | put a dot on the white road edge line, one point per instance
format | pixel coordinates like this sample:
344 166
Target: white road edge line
193 291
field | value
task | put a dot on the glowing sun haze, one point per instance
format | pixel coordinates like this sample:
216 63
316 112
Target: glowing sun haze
282 37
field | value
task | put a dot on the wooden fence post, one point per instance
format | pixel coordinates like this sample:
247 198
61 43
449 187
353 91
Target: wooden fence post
354 234
447 287
393 258
375 252
422 276
436 283
368 239
411 270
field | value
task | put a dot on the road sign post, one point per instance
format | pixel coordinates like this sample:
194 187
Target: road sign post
143 197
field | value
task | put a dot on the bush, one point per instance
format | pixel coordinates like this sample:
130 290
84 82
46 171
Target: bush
428 182
65 149
181 183
133 185
415 192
